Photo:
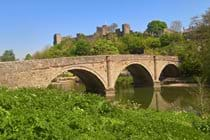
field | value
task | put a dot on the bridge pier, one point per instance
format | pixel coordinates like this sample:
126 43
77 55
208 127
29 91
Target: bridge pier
157 96
110 94
155 104
158 102
157 85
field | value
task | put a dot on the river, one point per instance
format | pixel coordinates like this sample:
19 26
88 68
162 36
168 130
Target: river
167 98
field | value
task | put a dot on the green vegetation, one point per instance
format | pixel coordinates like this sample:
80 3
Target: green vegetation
156 27
8 55
56 114
82 47
103 46
124 81
28 57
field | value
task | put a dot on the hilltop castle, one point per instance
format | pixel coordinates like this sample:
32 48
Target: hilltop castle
100 31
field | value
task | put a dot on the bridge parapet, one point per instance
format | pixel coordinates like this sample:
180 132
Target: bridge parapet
167 58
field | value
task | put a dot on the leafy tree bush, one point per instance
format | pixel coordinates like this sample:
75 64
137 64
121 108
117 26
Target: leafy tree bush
155 43
103 46
8 55
64 49
133 43
55 114
82 47
167 39
206 64
200 35
28 57
156 27
190 63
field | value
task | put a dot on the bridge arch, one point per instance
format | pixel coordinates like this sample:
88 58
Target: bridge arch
140 73
169 71
92 80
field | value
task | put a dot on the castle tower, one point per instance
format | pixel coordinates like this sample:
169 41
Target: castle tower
118 32
105 30
102 31
57 39
126 29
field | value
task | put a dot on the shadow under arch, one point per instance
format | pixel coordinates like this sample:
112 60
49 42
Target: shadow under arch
141 76
92 81
142 90
169 71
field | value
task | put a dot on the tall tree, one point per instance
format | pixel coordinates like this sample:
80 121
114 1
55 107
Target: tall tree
8 55
176 26
156 27
28 57
200 34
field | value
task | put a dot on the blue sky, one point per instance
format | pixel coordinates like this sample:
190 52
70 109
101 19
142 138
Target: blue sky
27 26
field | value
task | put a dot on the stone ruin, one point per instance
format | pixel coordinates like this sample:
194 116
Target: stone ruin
100 31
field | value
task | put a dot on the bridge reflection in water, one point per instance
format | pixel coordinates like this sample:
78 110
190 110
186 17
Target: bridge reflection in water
168 98
164 98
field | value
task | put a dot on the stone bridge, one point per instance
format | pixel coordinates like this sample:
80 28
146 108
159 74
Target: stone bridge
98 73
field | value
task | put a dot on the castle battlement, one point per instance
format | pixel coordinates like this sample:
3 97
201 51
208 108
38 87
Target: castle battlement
100 31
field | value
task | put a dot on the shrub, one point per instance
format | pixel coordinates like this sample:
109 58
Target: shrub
55 114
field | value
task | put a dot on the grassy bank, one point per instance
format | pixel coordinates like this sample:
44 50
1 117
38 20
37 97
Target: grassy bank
54 114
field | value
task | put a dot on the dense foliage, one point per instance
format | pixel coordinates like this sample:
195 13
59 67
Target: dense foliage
156 27
54 114
8 55
103 46
200 36
28 57
123 81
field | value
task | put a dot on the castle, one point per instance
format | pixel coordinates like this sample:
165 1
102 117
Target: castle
100 31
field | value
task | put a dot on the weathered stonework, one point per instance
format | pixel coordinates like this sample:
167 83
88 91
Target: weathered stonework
57 39
99 73
126 29
100 31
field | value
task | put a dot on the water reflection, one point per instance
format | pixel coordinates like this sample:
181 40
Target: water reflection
167 98
141 96
164 98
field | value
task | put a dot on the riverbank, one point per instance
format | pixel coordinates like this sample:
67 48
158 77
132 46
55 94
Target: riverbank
57 114
180 85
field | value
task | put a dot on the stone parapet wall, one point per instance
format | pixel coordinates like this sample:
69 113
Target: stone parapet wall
104 69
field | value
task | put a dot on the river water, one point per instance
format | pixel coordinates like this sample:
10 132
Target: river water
166 98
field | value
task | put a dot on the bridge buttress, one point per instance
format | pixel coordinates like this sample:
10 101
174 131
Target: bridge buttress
155 68
108 71
110 94
110 91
